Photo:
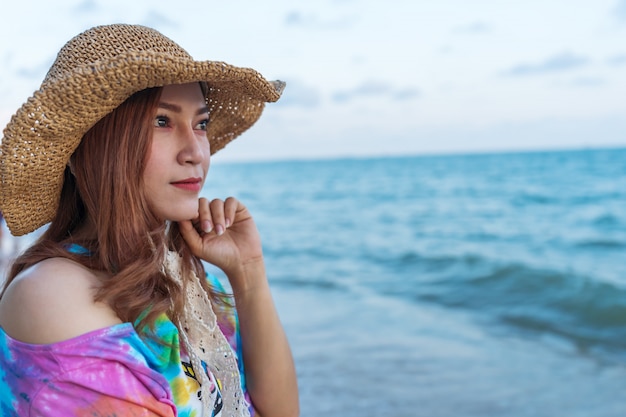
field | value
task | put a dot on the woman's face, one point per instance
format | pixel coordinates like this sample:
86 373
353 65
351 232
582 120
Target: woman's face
178 159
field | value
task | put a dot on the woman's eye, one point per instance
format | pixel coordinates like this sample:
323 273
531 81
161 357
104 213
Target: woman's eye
203 125
161 121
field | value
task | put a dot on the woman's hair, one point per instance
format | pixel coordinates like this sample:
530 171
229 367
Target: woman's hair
104 191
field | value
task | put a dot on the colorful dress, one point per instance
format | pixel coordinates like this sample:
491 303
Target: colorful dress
111 372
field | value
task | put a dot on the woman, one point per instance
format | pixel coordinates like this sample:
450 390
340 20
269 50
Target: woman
110 312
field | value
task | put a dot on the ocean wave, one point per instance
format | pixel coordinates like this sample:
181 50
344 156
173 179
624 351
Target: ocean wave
601 244
304 283
588 312
607 220
310 252
524 199
571 199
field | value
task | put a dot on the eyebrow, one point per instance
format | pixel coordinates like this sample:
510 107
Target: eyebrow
177 109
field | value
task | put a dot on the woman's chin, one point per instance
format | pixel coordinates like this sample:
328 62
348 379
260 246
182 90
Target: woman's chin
181 215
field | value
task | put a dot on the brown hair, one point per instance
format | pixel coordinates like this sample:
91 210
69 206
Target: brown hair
103 190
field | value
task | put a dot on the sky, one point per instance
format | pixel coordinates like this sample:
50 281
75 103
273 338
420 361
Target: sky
370 78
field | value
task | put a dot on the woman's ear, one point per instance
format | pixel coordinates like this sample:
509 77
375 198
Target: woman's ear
70 165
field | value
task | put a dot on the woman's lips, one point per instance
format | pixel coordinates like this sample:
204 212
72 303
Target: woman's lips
189 184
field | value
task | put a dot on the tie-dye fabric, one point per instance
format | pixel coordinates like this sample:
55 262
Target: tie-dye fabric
107 372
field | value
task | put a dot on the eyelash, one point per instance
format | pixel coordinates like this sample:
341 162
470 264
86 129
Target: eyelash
166 119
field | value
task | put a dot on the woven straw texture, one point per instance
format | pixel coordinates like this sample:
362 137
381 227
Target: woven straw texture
93 74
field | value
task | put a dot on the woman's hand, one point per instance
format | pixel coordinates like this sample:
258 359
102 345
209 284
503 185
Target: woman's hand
223 234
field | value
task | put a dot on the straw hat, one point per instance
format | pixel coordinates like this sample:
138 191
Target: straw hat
93 74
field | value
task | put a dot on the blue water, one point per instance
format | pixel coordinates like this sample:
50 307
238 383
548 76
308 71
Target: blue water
466 285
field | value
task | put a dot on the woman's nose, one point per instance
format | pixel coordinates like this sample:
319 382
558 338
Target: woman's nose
191 151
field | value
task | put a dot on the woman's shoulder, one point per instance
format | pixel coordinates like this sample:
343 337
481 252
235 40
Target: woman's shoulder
53 301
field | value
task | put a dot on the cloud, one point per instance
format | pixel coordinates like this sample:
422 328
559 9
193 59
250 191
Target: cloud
620 10
299 19
298 94
617 60
296 18
376 89
560 62
474 28
37 72
588 82
406 94
87 6
158 20
7 58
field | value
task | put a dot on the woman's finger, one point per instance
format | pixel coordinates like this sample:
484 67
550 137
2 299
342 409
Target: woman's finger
204 215
230 211
217 215
191 236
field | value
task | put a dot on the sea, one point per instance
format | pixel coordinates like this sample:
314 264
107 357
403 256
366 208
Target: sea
453 285
459 285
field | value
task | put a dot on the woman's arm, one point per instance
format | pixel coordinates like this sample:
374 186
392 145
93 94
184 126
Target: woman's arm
270 370
230 240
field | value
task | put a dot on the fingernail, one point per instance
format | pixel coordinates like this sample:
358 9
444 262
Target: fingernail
206 226
219 229
227 223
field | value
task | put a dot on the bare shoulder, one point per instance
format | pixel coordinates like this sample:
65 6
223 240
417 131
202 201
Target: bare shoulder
52 301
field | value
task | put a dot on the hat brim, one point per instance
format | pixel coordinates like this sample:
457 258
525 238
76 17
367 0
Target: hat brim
43 134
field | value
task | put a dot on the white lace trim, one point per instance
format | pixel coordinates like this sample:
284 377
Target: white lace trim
205 342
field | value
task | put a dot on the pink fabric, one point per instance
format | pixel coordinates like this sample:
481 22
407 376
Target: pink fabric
102 373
